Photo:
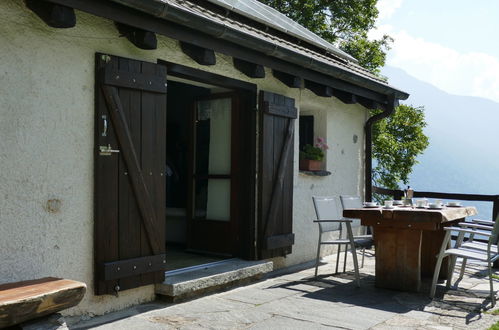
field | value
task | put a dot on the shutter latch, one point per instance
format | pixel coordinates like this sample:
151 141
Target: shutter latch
107 150
116 290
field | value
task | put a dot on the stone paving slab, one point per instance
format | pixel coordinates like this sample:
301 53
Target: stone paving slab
332 301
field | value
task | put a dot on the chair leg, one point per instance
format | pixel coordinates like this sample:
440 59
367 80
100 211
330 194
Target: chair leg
345 259
435 275
363 257
441 256
491 282
338 258
450 270
453 259
340 234
318 255
354 253
463 267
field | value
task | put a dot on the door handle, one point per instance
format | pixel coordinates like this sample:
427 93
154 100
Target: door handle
104 132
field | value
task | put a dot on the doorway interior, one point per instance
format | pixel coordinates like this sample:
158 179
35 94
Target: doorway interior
200 173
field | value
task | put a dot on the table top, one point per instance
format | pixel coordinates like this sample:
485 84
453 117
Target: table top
380 215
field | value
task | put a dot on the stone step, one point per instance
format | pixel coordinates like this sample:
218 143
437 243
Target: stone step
196 281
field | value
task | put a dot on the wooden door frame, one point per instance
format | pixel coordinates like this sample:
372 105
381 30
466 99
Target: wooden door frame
212 226
247 129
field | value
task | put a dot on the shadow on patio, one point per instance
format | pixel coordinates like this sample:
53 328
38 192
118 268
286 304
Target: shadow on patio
298 300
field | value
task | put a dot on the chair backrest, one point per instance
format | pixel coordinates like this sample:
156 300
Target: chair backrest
351 202
494 238
326 208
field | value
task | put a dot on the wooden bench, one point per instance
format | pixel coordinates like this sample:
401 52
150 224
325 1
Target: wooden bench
23 301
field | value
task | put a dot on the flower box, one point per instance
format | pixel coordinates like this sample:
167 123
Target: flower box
310 165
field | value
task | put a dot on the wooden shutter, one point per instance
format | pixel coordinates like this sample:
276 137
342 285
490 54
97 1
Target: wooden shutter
275 226
130 152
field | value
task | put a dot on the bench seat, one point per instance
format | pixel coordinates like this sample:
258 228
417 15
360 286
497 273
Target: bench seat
26 300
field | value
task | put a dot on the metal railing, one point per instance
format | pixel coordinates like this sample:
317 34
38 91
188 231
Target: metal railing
399 194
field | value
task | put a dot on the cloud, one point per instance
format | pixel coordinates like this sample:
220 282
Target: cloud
386 8
474 73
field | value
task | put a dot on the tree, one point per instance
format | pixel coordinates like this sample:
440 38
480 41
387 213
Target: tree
397 141
344 23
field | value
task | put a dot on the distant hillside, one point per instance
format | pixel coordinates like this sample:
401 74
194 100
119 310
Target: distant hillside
463 155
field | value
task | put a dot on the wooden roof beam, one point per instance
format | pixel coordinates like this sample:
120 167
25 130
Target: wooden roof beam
319 89
199 54
252 70
140 38
369 104
288 79
56 16
345 97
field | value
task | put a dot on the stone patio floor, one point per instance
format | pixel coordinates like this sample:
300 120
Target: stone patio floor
298 300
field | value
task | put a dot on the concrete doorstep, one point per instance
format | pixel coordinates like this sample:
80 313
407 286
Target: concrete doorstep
198 281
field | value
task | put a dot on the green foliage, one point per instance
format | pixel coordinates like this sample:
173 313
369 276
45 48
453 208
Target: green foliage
494 326
315 152
371 54
341 22
493 312
312 153
397 141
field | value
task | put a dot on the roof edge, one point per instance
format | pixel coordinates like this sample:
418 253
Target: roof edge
172 13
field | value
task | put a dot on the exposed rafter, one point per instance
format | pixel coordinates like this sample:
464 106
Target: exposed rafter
252 70
199 54
140 38
224 43
288 79
319 89
57 16
369 104
345 97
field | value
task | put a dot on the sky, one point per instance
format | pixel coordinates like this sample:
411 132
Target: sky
452 45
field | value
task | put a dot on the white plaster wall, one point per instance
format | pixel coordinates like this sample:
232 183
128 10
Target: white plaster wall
337 123
46 148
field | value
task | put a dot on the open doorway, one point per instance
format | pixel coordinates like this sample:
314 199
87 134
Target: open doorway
201 173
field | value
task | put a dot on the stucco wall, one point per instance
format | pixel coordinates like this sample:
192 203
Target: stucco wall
46 148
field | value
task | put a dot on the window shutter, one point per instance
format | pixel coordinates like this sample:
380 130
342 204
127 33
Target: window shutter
275 226
130 153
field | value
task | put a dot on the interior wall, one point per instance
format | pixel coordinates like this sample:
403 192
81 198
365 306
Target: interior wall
46 148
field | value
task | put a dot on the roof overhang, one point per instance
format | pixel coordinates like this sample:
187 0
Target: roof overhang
173 21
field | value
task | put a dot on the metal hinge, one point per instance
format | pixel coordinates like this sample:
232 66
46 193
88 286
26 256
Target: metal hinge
107 150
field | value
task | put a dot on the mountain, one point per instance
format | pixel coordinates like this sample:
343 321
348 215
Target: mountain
463 156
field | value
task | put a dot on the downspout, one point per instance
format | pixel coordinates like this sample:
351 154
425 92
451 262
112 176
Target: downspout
389 110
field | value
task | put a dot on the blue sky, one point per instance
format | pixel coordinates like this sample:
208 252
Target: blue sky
450 44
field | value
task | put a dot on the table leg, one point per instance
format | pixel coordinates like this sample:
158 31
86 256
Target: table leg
398 258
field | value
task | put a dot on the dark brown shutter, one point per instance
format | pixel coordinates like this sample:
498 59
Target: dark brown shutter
275 226
130 151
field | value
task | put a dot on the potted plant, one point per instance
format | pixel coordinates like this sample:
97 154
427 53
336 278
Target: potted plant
311 157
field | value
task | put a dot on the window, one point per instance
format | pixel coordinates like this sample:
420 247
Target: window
306 131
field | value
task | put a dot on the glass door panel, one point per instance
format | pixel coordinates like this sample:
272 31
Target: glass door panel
213 130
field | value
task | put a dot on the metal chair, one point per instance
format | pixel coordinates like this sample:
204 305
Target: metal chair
329 220
470 243
468 250
363 239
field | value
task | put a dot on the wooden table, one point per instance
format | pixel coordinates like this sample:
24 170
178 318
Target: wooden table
407 241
